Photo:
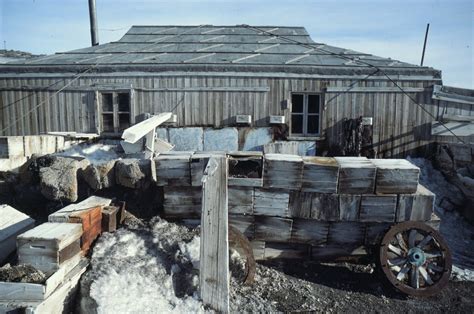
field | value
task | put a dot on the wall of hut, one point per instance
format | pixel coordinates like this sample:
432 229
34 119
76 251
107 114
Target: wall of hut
400 127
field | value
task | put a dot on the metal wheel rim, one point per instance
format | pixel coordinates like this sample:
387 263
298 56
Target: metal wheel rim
415 259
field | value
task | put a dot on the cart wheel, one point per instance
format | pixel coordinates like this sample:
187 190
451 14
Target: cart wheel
415 259
239 242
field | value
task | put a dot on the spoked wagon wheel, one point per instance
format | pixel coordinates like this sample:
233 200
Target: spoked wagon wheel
415 259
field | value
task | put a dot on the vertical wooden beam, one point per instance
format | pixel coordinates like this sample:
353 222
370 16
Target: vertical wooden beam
214 265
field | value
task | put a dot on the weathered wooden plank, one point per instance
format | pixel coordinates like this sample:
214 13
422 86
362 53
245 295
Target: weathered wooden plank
349 206
356 176
346 233
300 204
282 171
214 261
182 202
139 130
375 231
320 174
258 248
243 223
285 250
271 202
12 223
309 231
109 218
332 252
458 128
325 207
173 170
378 208
395 176
91 221
418 206
273 228
240 200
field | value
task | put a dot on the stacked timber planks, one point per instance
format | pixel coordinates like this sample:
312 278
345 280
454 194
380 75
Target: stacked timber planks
173 169
321 206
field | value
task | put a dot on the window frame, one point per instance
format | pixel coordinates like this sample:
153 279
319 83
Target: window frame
306 114
115 110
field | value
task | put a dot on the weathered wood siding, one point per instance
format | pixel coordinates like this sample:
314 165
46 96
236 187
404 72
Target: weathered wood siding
399 125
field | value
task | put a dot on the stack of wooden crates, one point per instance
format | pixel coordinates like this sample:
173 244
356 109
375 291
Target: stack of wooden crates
292 206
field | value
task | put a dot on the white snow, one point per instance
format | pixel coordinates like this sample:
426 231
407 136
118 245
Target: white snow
132 272
191 251
95 153
455 229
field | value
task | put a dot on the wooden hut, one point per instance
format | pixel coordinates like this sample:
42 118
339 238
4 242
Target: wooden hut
248 85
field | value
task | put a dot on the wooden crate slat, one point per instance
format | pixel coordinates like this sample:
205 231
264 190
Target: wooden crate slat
320 174
309 231
349 206
417 207
240 200
396 176
378 208
325 207
282 171
300 204
356 175
276 229
271 202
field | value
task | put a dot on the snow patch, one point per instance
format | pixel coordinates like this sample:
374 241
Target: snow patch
191 251
132 271
95 153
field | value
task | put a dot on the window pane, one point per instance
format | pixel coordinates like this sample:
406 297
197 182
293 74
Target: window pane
124 121
108 122
313 124
107 102
124 102
313 103
297 103
297 124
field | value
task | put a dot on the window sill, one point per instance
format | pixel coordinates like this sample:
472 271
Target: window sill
305 138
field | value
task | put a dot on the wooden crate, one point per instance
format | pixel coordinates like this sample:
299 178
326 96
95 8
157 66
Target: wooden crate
245 169
309 231
110 218
349 206
300 204
325 207
240 200
320 174
271 202
243 223
356 175
173 170
418 206
63 214
91 220
346 234
182 202
283 171
335 251
276 229
395 176
375 231
378 208
48 246
12 223
51 297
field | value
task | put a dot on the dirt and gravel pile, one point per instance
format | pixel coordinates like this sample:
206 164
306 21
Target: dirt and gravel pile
21 273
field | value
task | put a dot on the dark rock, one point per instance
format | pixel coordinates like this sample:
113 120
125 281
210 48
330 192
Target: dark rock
133 173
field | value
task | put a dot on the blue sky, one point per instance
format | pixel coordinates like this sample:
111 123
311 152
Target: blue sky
386 28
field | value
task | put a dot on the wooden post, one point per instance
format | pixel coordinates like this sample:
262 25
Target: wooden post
214 265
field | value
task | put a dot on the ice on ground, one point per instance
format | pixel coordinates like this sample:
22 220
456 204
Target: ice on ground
455 229
143 270
95 153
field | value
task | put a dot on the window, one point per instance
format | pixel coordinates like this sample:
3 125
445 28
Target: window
305 114
115 111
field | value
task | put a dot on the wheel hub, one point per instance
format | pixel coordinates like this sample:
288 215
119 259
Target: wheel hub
416 256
